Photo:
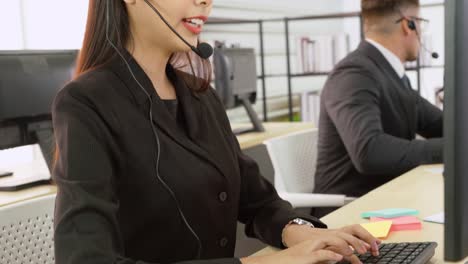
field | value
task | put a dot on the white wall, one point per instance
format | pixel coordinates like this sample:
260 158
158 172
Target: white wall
11 25
45 24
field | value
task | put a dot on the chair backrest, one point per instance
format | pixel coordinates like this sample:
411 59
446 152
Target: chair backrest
294 157
26 232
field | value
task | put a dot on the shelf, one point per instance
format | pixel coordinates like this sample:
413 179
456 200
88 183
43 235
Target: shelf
425 67
327 16
278 75
309 74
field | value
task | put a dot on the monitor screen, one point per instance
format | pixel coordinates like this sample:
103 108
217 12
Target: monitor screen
235 75
29 81
456 130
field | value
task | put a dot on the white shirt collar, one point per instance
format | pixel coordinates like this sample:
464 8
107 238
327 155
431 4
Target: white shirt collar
396 63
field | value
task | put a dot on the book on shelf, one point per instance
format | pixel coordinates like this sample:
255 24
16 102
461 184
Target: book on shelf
310 106
321 53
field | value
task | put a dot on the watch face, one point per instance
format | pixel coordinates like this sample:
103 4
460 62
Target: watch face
299 221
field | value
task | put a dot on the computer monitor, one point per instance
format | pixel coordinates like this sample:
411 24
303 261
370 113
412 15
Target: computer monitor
29 81
456 130
236 80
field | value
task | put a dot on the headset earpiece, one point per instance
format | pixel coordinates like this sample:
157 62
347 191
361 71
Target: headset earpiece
411 25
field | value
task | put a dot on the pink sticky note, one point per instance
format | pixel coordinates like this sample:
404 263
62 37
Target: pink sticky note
401 223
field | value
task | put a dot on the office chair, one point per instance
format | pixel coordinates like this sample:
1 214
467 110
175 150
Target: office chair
294 158
26 231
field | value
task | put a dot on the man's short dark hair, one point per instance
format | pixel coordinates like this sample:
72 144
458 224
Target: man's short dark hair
374 9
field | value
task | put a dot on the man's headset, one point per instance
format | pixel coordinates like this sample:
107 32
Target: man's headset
412 26
203 50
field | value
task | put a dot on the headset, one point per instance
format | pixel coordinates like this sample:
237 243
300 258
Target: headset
203 50
412 26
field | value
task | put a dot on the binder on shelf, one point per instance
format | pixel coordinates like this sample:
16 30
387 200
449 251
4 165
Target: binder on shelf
321 53
310 107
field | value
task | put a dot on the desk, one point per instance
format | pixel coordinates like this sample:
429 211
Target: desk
247 140
419 189
272 130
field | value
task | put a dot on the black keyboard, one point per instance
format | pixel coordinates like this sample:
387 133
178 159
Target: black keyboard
401 253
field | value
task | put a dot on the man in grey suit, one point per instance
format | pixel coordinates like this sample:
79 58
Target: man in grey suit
370 114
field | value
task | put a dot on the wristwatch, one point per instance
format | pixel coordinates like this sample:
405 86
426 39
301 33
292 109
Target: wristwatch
295 221
299 221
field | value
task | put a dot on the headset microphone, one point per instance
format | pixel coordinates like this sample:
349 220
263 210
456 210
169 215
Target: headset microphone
204 50
434 54
412 26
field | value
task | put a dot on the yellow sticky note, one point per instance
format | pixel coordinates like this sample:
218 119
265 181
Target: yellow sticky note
378 229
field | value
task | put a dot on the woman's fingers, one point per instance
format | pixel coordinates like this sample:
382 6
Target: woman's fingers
324 255
363 234
358 245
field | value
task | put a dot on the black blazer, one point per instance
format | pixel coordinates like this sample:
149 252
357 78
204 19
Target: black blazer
368 124
110 206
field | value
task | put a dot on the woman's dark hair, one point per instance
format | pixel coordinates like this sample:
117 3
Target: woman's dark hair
96 50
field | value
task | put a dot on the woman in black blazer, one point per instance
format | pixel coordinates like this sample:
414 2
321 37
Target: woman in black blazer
148 170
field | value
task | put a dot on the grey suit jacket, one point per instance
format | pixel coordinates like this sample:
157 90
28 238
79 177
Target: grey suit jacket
368 124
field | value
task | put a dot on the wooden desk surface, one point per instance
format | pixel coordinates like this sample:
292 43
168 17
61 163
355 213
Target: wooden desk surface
420 189
246 141
271 130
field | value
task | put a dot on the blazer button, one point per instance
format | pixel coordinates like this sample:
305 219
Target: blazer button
223 196
223 242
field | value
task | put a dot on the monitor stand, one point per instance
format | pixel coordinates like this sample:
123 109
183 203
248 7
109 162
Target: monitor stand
29 177
257 124
41 133
46 141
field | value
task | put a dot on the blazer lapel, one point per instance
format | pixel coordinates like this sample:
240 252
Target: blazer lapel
405 96
195 115
189 102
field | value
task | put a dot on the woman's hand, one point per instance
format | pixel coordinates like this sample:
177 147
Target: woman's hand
308 252
353 236
314 245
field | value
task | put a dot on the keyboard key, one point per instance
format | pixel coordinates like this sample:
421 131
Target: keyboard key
406 253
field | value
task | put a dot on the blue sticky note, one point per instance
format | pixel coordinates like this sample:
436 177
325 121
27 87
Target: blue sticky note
390 213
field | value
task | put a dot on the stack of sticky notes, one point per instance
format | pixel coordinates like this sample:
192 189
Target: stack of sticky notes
396 219
401 223
390 213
